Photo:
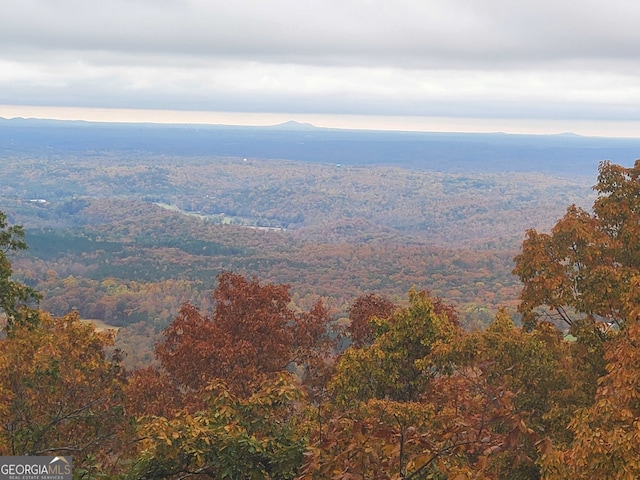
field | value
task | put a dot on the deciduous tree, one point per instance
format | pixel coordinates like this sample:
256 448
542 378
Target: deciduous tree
252 335
361 312
389 367
376 424
606 443
15 297
582 269
231 438
60 393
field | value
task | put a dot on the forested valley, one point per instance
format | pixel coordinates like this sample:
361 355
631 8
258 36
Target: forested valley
171 317
126 238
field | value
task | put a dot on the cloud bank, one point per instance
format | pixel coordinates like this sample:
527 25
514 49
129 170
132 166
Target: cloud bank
461 58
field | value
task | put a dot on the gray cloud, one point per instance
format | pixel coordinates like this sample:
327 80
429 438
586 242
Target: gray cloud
458 58
354 31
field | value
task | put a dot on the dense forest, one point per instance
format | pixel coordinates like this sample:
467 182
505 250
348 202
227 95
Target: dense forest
125 237
253 386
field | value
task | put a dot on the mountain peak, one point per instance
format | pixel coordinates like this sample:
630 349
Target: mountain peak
293 125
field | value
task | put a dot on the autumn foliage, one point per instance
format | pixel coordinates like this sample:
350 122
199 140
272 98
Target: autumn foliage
61 393
257 388
362 311
252 334
584 268
16 298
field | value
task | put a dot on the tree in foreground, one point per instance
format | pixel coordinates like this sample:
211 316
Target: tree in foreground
429 400
228 397
15 297
361 313
583 270
605 442
254 437
587 274
60 394
375 425
252 335
389 367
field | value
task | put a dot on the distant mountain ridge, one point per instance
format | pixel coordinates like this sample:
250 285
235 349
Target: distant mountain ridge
293 125
447 152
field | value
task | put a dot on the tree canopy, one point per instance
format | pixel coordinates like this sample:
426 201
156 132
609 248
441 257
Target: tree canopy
585 269
15 297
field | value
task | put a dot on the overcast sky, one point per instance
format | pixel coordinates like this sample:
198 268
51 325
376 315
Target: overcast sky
563 65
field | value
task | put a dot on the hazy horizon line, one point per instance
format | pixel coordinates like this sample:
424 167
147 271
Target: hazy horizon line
617 129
